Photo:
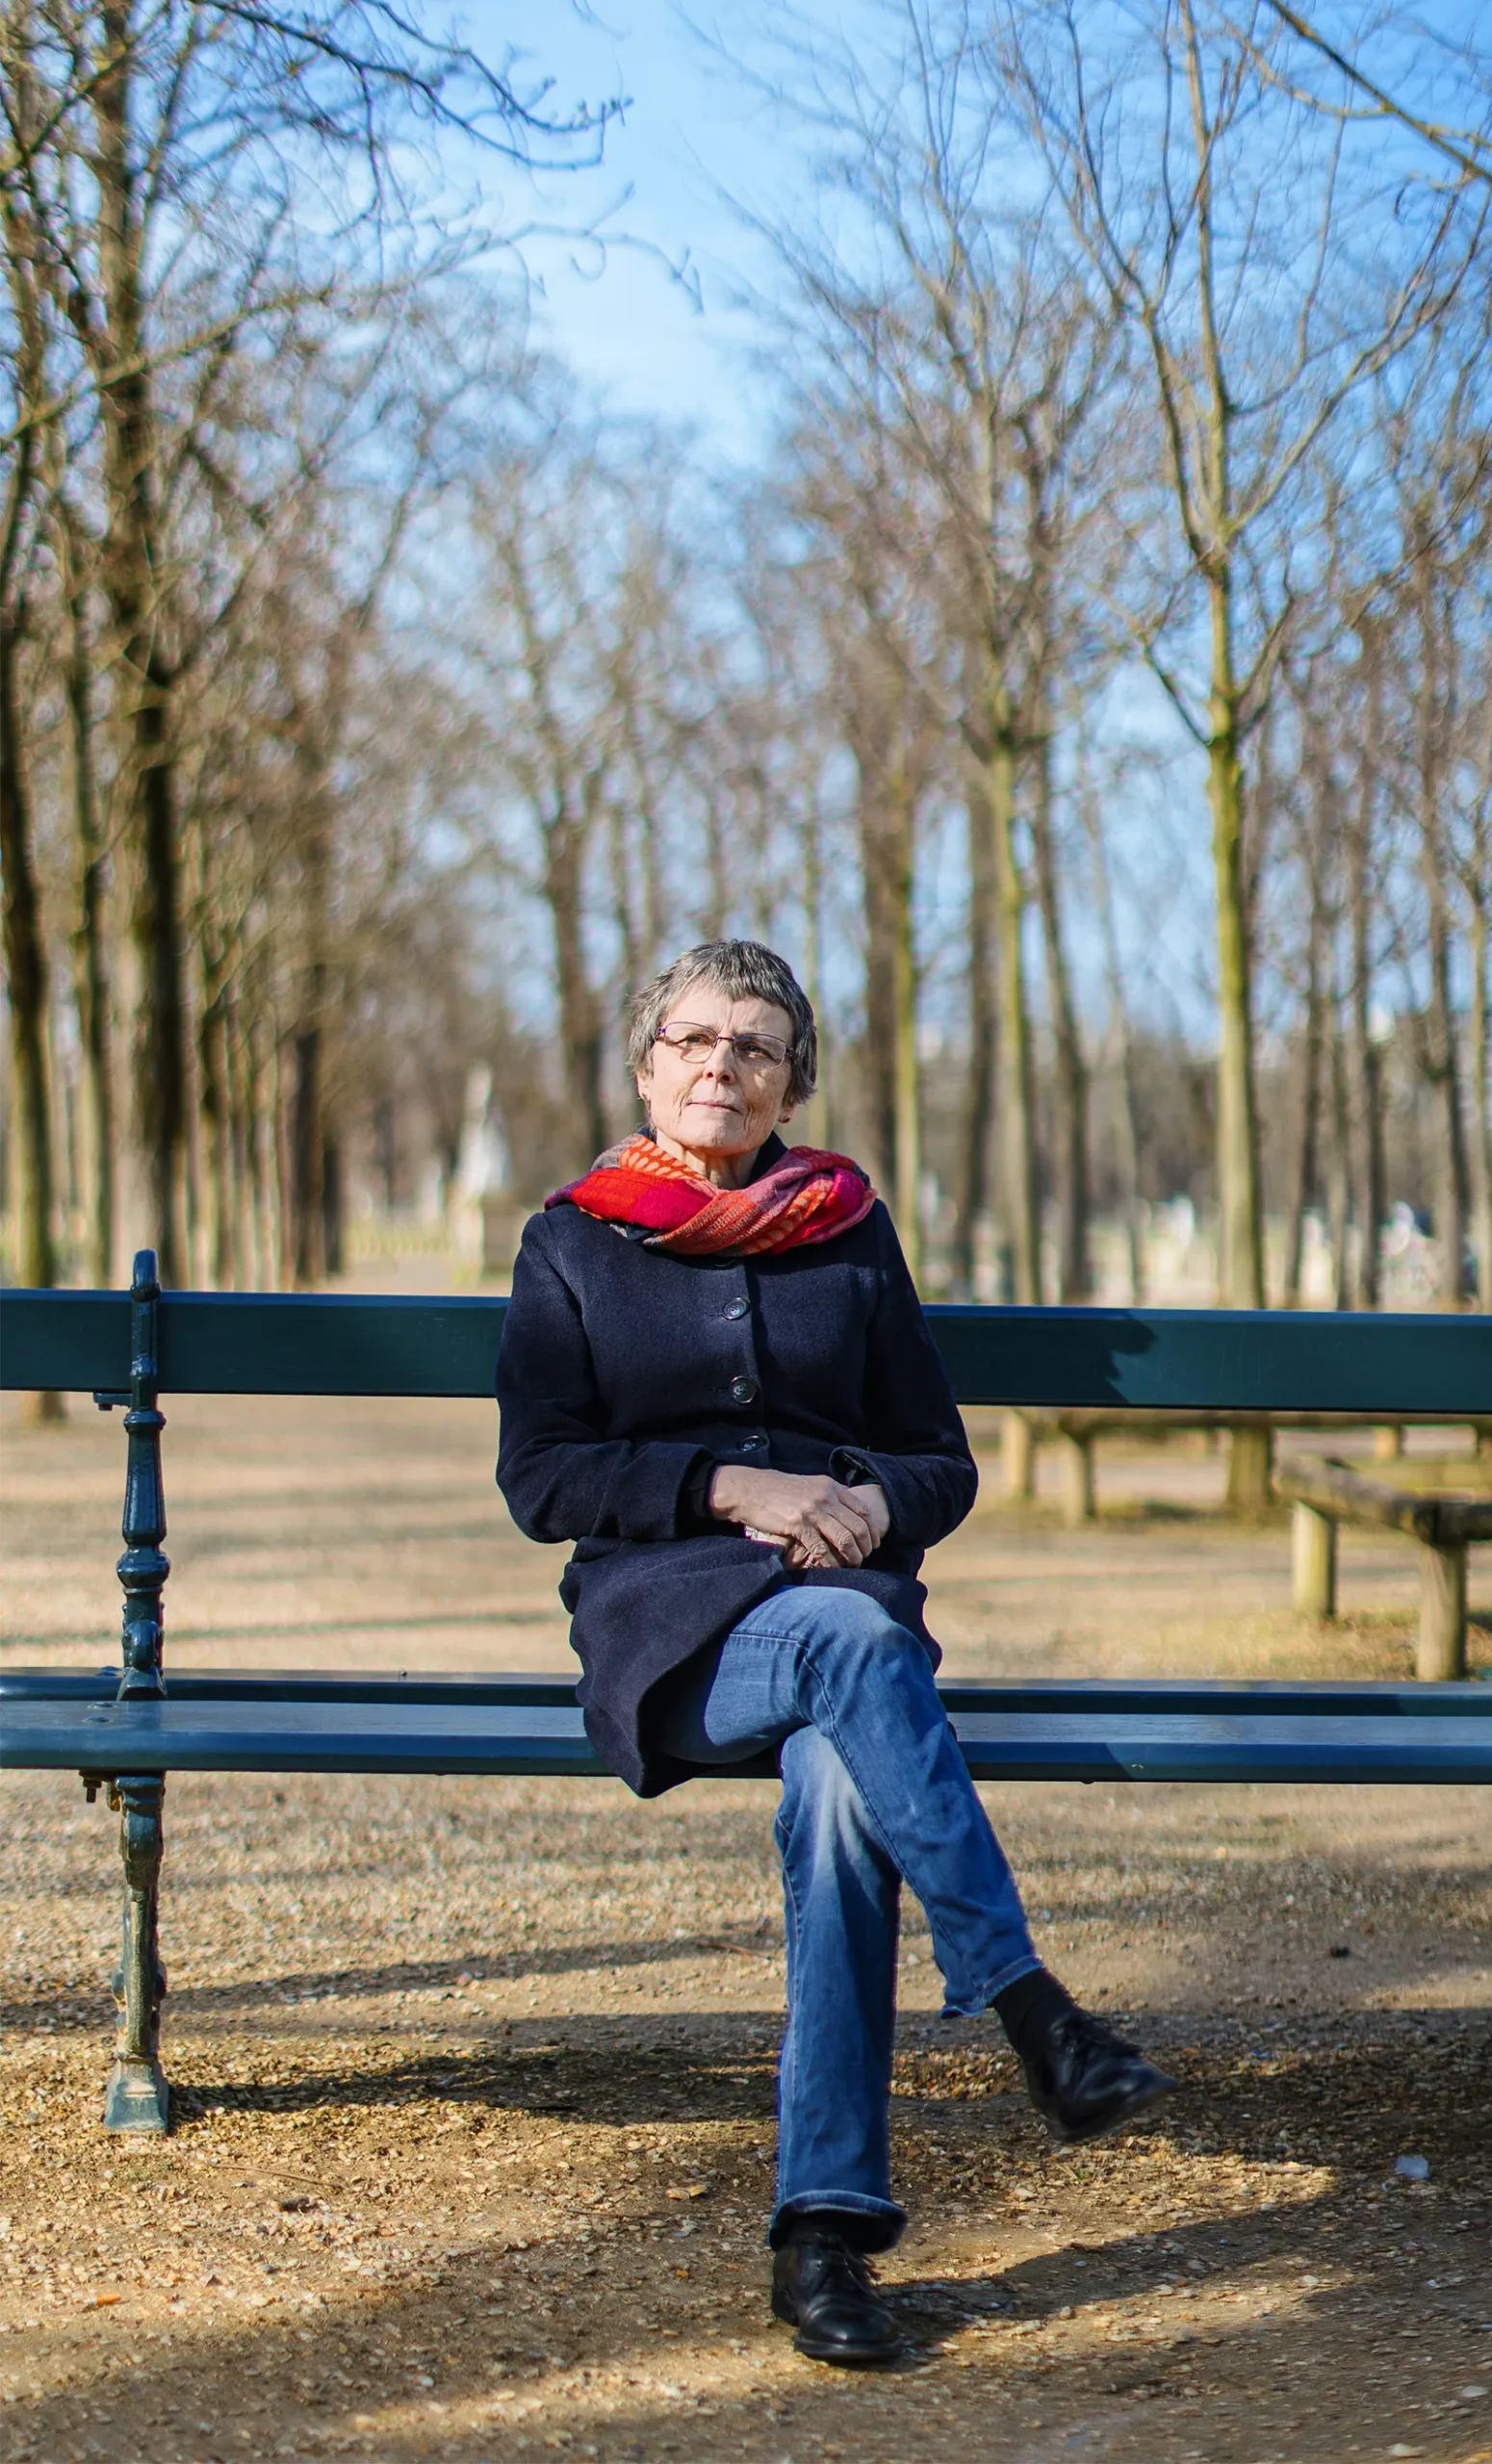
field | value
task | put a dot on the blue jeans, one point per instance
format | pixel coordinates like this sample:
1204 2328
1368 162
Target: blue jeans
875 1792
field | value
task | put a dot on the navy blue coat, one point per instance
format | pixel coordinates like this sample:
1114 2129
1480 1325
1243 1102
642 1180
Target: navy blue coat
625 1373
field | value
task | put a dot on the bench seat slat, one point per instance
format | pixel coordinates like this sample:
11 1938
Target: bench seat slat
515 1739
1094 1696
292 1685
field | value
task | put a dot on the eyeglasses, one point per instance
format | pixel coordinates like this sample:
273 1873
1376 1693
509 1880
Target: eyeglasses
695 1044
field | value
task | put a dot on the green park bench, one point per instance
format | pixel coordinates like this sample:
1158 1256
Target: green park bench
124 1728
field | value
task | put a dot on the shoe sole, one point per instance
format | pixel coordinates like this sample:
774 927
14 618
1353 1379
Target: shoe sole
880 2359
1125 2110
840 2359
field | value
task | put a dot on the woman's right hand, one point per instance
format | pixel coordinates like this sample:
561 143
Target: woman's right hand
817 1521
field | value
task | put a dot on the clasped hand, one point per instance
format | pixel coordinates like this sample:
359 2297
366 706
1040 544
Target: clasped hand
814 1521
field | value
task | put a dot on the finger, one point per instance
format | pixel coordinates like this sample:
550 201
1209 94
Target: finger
848 1547
824 1543
838 1504
841 1519
846 1506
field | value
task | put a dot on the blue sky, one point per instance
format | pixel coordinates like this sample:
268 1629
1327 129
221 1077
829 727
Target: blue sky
635 331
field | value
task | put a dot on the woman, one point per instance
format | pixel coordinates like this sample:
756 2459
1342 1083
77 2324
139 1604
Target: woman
717 1383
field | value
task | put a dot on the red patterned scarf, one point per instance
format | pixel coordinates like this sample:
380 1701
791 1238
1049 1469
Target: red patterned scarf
809 1195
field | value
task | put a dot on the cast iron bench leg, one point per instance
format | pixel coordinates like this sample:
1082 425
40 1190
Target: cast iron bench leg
137 2096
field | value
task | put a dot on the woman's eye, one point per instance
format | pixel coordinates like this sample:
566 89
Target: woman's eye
693 1047
751 1051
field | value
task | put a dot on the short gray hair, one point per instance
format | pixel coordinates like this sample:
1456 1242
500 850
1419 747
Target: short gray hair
743 971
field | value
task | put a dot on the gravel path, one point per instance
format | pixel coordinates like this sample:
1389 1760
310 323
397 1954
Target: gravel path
474 2081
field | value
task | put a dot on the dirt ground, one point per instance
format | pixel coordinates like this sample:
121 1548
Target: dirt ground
473 2080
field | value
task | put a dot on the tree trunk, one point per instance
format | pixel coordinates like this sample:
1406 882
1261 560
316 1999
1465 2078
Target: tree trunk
1240 1215
579 1028
1074 1270
216 1201
160 1026
979 1086
814 1125
1365 1069
260 1120
214 1077
91 990
26 992
130 573
1017 1109
237 1196
308 1124
1339 1175
307 1155
1308 1136
331 1204
1241 1227
1441 1063
878 891
1123 1040
909 1121
1443 1069
26 983
623 903
1481 1028
386 1149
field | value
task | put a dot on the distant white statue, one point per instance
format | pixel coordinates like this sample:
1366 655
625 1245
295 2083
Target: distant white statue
483 1165
485 1212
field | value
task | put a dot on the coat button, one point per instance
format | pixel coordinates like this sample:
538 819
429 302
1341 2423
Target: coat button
744 1390
736 1308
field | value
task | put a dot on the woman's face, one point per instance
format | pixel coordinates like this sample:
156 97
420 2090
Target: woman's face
717 1106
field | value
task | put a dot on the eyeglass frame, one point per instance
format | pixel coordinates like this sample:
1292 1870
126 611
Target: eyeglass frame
719 1036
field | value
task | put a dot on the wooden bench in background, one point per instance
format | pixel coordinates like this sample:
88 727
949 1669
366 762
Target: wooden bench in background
124 1728
1444 1519
1077 1435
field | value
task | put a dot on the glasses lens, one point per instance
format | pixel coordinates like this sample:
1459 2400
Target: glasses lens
697 1043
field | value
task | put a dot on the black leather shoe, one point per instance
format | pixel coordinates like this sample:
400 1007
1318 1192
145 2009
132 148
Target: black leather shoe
1085 2078
823 2288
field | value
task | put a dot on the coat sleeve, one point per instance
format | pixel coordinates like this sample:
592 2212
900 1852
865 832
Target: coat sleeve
917 1450
562 1476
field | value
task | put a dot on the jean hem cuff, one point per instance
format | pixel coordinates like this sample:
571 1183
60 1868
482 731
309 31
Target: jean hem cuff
882 2221
969 2007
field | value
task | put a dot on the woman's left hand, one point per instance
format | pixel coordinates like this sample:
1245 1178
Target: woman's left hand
870 1497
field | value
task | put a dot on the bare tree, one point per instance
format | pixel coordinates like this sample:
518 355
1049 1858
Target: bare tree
951 332
157 160
1186 167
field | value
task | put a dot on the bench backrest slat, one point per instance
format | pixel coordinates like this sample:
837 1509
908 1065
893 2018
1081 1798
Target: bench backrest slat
1189 1359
